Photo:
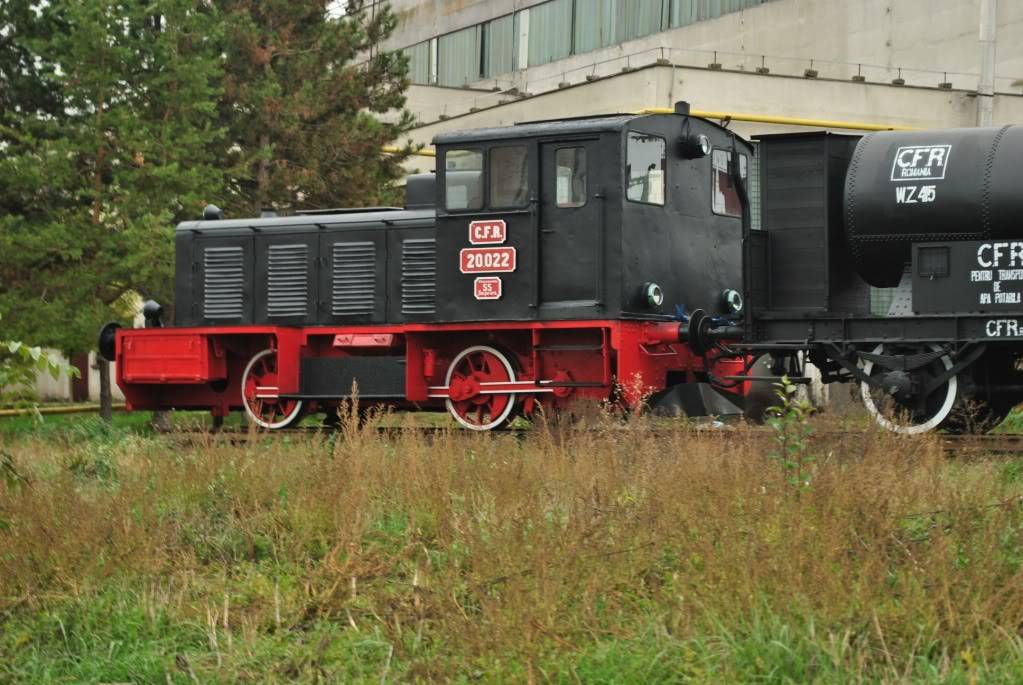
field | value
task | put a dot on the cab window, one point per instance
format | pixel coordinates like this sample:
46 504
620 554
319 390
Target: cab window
463 179
645 168
509 177
724 196
570 176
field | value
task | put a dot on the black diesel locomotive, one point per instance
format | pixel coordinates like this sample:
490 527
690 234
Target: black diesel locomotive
542 264
614 258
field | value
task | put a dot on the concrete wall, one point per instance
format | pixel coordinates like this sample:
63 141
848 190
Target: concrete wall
925 38
706 89
50 389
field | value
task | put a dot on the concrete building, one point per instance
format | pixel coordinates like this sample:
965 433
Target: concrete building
913 63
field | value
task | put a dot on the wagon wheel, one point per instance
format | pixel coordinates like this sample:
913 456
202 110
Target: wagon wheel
468 400
259 394
910 413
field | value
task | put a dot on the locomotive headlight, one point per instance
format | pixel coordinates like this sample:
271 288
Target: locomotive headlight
694 146
733 300
654 295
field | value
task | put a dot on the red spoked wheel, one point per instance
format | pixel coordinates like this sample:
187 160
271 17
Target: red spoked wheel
470 401
260 394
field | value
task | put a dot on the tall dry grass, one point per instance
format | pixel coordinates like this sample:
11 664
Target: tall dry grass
512 557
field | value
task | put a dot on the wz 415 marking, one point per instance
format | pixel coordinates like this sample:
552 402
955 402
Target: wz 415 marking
911 195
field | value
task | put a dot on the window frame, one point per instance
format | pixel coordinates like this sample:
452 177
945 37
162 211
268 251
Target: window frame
713 180
664 157
484 189
586 181
489 177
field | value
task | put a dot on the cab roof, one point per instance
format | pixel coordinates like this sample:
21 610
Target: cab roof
531 129
555 127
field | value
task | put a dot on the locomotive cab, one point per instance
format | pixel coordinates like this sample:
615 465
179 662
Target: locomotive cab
620 216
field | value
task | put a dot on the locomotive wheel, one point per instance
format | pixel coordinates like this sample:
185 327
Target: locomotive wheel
919 413
469 406
268 412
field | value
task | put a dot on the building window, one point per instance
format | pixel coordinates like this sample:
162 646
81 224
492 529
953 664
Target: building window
570 176
509 177
463 179
645 168
459 57
685 12
638 18
550 31
500 45
594 28
420 64
724 196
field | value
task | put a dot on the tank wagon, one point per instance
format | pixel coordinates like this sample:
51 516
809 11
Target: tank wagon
932 216
543 263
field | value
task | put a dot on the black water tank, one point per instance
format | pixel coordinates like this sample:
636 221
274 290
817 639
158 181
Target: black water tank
952 184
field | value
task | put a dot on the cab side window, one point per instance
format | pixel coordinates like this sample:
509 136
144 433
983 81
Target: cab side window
509 177
463 179
645 168
724 196
570 176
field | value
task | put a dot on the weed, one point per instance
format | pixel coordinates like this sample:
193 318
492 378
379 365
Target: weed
792 430
609 555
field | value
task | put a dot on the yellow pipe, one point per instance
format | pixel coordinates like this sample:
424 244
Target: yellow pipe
782 121
423 152
74 409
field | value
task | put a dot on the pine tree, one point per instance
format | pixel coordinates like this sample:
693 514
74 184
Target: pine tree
98 182
304 92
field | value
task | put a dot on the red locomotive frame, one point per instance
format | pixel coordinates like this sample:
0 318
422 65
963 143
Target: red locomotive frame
460 366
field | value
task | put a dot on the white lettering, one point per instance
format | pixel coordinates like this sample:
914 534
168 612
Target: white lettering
997 328
998 247
980 276
937 156
905 195
980 257
996 287
1007 298
1010 274
985 298
921 161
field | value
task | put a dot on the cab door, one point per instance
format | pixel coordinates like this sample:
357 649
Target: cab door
570 223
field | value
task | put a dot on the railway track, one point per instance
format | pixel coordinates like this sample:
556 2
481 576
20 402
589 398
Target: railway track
966 446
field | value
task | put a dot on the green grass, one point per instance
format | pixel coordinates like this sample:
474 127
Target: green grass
609 556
